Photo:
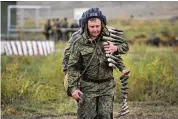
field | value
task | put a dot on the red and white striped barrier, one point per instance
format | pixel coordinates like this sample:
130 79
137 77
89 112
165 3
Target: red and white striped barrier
27 48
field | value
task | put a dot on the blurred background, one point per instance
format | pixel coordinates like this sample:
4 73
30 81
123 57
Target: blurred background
35 33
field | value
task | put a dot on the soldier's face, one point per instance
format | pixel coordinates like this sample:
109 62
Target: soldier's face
94 27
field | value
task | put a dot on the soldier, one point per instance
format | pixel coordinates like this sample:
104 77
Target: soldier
90 79
54 31
65 24
47 29
58 26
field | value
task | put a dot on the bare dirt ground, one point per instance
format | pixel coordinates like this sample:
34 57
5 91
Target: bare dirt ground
125 117
129 116
138 110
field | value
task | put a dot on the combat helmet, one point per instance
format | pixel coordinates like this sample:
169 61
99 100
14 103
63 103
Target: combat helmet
91 13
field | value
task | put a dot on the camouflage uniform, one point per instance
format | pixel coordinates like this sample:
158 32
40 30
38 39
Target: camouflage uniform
65 24
47 30
97 83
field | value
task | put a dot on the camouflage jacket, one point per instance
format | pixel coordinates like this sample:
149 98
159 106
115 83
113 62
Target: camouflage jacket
81 52
122 49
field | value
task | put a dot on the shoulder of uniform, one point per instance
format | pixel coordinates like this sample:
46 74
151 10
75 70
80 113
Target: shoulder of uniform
76 44
76 33
75 36
78 39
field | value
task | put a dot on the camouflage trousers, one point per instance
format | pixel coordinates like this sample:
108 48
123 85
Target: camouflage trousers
97 100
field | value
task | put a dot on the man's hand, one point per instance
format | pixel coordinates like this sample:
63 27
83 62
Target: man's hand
76 93
110 48
125 72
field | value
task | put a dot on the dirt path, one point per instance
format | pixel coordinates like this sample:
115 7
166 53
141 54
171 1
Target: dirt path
138 110
124 117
